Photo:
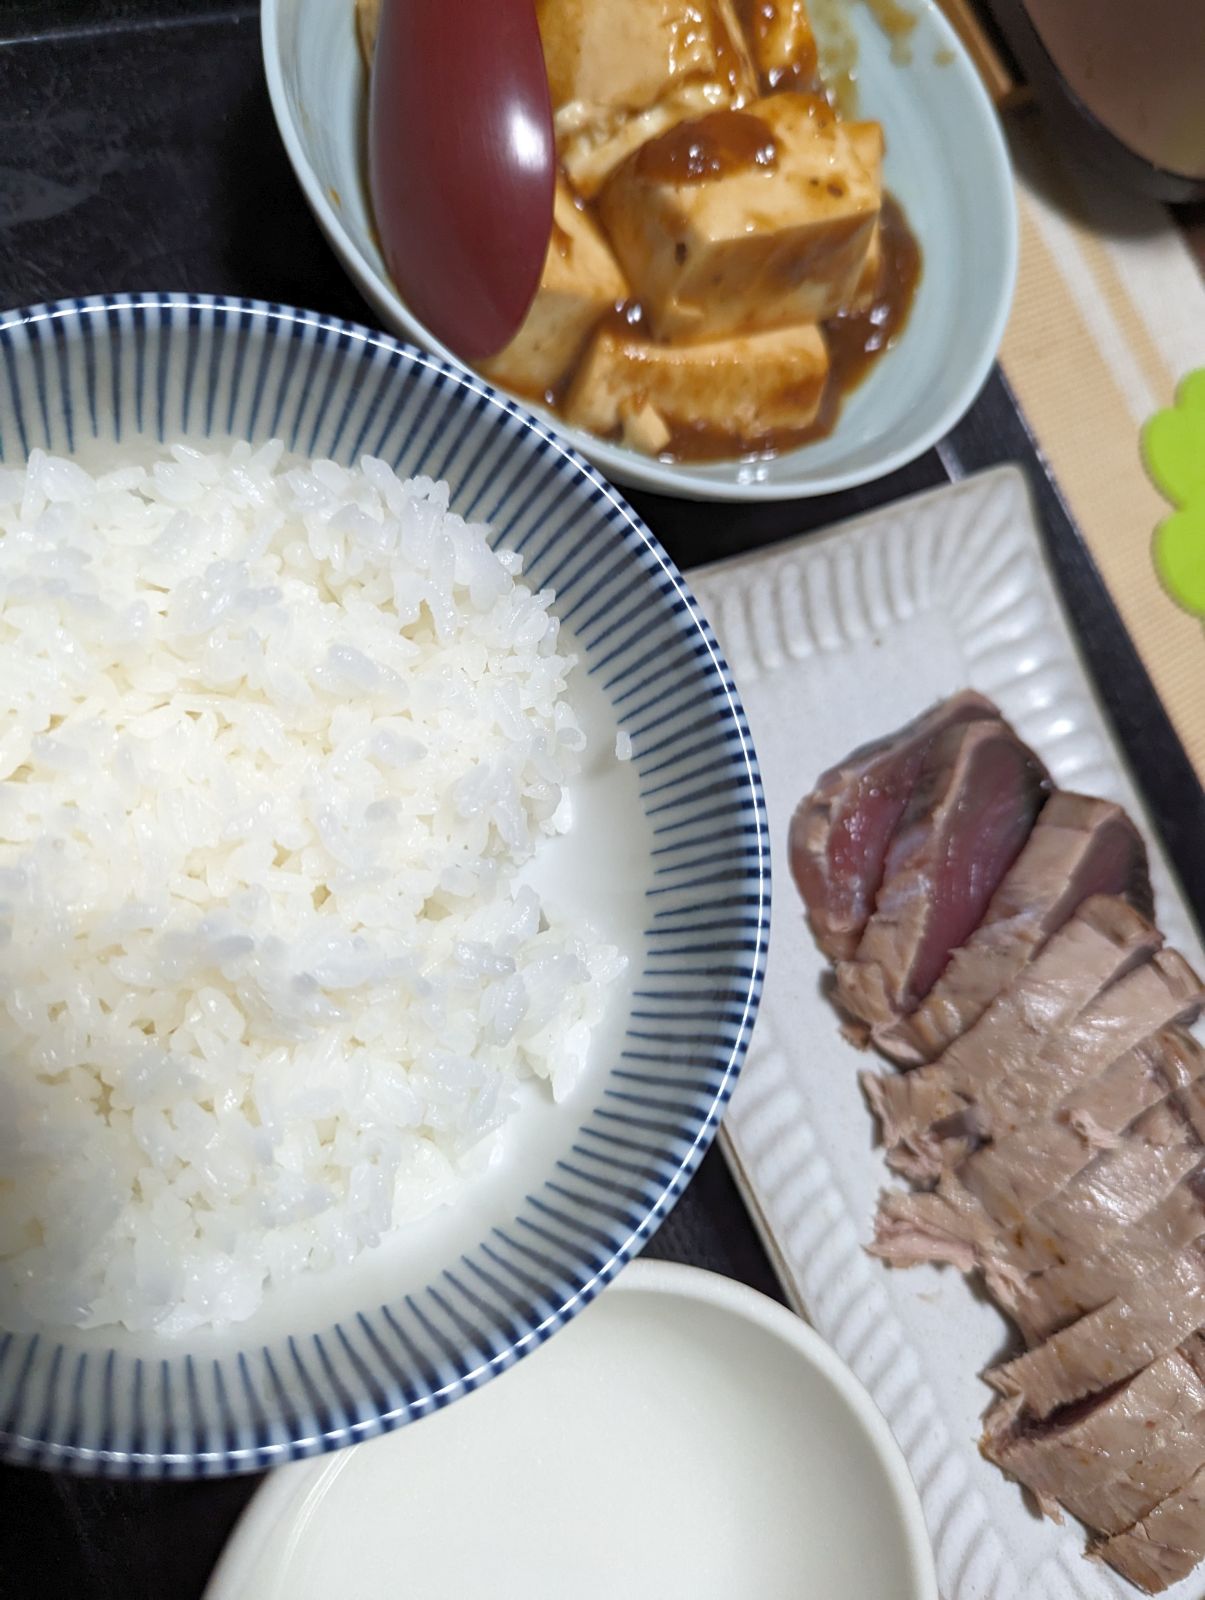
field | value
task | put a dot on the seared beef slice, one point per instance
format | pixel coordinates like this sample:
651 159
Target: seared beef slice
930 1118
840 833
1079 848
974 803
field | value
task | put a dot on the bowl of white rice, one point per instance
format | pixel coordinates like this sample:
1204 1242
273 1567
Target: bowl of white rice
384 886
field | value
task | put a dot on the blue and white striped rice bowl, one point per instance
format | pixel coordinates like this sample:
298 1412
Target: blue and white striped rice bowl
668 857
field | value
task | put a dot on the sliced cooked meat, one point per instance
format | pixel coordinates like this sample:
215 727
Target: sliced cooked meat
929 1117
1119 1217
1045 1300
976 797
1112 1459
1056 1113
1126 1211
1121 1185
1166 1545
947 1229
1079 847
1022 1169
840 833
994 1208
1162 991
911 1228
1165 1305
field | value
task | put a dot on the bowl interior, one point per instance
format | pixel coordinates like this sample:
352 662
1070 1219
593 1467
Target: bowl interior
946 161
786 1482
666 858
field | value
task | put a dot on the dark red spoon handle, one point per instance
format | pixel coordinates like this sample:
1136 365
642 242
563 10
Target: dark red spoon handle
462 164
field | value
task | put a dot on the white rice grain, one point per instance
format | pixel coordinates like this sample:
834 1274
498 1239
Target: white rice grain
276 739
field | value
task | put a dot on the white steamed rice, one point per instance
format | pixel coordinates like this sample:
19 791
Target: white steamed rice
276 739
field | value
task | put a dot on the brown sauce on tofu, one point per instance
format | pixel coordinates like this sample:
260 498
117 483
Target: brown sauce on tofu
856 339
731 64
796 76
760 19
855 342
727 141
714 146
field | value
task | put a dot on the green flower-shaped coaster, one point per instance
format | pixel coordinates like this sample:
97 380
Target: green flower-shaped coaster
1173 448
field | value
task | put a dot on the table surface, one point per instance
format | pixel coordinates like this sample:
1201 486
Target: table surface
138 152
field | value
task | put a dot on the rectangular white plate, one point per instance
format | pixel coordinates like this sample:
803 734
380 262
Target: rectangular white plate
834 640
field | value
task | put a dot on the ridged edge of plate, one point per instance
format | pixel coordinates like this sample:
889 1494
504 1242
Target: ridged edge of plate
974 552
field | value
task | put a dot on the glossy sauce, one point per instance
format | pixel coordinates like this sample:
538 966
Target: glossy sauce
855 342
857 339
730 65
728 141
759 18
715 146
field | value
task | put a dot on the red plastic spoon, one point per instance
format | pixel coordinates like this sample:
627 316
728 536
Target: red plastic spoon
462 164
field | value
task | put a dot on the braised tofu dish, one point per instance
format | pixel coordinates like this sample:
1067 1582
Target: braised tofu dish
724 264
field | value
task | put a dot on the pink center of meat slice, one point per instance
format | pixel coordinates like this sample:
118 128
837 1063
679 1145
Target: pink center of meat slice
862 832
1116 864
993 820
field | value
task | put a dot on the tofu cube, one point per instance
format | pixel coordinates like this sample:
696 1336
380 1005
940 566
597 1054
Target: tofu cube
867 140
642 427
623 71
581 282
743 220
782 43
746 390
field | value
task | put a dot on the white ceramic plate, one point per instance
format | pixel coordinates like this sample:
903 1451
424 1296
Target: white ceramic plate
832 641
946 161
685 1437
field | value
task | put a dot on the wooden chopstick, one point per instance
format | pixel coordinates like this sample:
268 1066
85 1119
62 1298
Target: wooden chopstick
999 77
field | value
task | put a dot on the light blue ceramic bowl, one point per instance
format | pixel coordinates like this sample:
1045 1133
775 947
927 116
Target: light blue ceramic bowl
668 856
946 162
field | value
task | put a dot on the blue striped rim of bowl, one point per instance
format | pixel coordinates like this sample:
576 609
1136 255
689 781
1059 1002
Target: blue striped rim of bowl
96 375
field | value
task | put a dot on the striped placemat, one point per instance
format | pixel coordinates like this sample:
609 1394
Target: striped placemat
1109 315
